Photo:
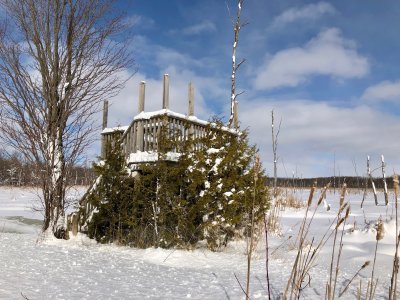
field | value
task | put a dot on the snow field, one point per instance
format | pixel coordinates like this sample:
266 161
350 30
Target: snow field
82 269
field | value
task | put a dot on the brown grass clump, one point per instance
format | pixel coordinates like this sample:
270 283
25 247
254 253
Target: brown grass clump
292 201
307 253
283 199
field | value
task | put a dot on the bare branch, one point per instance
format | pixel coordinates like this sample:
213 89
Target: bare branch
229 13
236 29
241 62
59 62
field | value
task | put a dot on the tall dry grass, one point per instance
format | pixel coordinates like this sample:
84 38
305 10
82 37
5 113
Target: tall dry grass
395 268
308 251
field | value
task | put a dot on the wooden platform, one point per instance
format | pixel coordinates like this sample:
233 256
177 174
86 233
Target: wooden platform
140 140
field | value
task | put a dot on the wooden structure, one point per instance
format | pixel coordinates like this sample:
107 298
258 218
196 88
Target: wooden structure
143 133
140 140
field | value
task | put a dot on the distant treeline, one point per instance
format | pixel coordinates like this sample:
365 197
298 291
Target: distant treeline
351 181
16 172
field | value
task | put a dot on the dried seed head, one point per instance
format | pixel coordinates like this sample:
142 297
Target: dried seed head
342 194
321 197
311 196
340 222
380 232
347 212
366 264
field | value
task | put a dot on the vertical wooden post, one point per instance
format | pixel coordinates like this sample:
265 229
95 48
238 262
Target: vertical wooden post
142 87
140 126
191 108
166 92
139 135
191 99
105 121
105 114
74 228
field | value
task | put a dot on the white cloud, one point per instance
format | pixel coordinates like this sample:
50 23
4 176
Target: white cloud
124 105
311 11
383 91
313 132
202 27
139 21
327 54
205 26
162 56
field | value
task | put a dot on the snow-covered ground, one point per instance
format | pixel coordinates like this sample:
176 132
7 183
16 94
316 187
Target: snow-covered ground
81 269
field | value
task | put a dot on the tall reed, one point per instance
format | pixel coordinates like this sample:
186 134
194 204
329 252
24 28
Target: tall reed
395 269
307 254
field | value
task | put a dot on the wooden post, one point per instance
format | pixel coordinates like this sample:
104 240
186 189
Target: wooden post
166 92
142 87
105 114
74 228
191 100
105 121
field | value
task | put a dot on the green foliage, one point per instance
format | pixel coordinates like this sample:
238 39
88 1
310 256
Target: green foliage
208 194
223 179
112 197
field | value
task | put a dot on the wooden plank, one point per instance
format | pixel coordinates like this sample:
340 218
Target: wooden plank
134 138
153 134
145 135
140 136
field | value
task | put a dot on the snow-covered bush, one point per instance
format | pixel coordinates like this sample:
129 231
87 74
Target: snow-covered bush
112 198
221 179
209 194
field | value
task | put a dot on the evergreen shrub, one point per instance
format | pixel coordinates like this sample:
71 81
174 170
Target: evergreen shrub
210 194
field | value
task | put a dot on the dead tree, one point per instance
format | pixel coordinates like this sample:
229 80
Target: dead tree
237 25
372 180
385 190
58 61
274 148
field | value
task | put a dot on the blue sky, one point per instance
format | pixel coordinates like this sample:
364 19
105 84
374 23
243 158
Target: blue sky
329 69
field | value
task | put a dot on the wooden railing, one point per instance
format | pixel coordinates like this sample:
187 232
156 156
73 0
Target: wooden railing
144 133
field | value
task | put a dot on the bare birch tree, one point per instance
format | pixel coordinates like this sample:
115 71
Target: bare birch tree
58 60
275 148
237 25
